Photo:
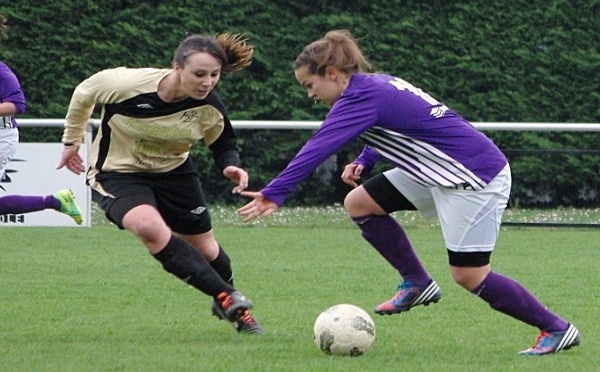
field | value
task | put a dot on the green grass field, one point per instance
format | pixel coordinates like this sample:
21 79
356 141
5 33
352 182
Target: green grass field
92 299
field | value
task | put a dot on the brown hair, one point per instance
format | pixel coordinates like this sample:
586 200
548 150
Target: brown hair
339 49
3 27
231 50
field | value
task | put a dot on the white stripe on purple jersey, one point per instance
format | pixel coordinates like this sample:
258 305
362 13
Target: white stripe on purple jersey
422 162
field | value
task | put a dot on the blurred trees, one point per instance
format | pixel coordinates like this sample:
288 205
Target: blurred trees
494 61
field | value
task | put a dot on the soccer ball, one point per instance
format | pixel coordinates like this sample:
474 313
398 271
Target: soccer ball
344 330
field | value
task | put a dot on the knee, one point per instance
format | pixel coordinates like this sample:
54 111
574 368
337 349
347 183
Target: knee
359 203
469 277
149 230
351 203
461 279
204 243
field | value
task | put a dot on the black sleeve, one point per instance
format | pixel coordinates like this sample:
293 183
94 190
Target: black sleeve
224 149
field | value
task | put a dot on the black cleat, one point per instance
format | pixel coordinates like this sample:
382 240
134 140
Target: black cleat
234 308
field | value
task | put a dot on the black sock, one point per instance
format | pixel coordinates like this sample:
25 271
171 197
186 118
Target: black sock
222 265
182 260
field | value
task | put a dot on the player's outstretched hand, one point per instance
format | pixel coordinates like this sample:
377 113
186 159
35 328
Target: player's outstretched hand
70 158
260 206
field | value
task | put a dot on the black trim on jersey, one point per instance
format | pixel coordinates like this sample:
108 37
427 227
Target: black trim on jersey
224 149
149 105
104 141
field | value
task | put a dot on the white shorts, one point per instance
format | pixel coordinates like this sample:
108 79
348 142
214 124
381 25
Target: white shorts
9 139
470 220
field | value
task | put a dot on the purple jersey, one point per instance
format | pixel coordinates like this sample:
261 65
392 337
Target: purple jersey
10 91
431 143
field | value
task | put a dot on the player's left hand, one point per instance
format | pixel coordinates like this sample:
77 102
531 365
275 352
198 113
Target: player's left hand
236 175
260 206
352 173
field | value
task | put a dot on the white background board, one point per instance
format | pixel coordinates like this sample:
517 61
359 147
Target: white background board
33 172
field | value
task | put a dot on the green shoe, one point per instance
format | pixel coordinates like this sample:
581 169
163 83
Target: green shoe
68 205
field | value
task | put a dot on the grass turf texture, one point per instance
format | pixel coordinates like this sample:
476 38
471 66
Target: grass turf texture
77 299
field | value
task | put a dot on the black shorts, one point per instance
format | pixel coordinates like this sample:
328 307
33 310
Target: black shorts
386 195
177 195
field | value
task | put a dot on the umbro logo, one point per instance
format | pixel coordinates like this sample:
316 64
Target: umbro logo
198 210
145 106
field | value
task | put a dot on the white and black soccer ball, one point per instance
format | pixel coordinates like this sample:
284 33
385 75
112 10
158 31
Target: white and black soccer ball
344 330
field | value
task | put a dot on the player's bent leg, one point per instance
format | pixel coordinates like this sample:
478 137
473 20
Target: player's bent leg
232 307
368 205
185 262
509 297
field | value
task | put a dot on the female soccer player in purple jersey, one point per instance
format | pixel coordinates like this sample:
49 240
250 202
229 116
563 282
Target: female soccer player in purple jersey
12 102
140 165
443 167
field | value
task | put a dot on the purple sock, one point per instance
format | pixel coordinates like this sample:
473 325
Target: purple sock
386 235
15 204
511 298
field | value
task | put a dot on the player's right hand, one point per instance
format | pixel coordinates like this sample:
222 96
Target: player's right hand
260 206
70 158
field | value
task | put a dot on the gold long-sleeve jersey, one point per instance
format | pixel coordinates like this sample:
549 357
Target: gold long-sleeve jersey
140 133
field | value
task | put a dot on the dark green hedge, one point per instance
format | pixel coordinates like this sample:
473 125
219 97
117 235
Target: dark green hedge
492 61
